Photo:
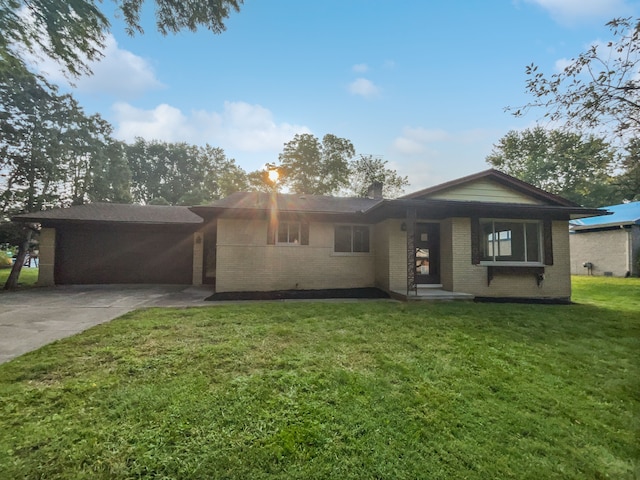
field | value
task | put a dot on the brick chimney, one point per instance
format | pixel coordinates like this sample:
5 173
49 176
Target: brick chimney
375 191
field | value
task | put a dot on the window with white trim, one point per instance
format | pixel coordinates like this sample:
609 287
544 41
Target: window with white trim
351 239
288 233
510 241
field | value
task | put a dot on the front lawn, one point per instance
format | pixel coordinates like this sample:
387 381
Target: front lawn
336 390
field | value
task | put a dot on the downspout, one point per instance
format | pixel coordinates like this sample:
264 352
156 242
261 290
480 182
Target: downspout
629 253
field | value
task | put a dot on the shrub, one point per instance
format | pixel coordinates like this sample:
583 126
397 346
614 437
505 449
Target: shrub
5 260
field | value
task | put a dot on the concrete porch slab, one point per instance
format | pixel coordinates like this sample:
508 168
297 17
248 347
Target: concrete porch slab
431 294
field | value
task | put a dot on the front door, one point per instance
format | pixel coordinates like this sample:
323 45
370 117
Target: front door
427 243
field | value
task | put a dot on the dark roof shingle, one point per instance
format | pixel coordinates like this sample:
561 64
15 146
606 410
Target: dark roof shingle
115 212
292 203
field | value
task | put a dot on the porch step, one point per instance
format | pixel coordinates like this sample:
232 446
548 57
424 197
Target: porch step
429 285
431 294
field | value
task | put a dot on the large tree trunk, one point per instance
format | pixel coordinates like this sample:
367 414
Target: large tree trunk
23 249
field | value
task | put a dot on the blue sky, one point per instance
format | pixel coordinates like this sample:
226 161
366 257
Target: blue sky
421 83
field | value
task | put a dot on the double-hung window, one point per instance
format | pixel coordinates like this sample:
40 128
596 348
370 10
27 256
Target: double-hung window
351 239
288 233
511 241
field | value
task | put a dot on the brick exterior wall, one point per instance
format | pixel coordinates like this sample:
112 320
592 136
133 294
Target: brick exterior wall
381 239
469 278
446 254
46 257
198 257
608 251
244 261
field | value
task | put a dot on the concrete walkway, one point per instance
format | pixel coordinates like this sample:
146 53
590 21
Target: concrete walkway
32 318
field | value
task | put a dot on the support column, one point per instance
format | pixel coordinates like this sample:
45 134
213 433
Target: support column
46 257
198 258
411 251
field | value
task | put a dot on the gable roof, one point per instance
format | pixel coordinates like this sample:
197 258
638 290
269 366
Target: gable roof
623 214
114 212
501 178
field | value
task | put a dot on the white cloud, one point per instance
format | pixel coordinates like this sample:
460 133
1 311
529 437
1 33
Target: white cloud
432 156
561 64
415 140
389 64
240 126
120 73
360 68
569 11
363 87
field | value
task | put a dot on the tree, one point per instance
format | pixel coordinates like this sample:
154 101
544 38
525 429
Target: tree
568 164
308 166
73 31
181 174
259 181
51 153
628 181
368 169
598 90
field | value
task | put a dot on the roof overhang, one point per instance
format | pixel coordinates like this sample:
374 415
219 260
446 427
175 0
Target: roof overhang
440 209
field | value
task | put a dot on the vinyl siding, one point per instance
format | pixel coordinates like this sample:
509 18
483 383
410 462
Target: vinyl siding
484 191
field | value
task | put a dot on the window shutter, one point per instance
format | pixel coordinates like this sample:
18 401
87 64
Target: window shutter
547 242
475 240
304 233
271 232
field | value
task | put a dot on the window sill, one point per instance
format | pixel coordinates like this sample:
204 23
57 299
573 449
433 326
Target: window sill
511 264
352 254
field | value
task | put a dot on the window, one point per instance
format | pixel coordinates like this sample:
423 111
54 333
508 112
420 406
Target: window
288 233
351 239
510 241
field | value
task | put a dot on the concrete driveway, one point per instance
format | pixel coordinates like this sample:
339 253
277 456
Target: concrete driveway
35 317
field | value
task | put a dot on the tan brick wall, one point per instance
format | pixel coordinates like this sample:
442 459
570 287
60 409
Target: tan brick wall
198 257
244 261
608 251
469 278
46 257
446 254
397 256
382 254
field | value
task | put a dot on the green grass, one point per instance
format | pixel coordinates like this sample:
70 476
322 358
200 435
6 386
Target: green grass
28 277
336 390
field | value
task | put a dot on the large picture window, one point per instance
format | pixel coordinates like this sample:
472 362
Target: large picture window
351 239
512 241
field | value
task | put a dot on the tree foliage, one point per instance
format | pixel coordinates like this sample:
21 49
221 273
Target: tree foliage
73 31
368 169
181 174
577 167
51 153
313 167
628 181
597 90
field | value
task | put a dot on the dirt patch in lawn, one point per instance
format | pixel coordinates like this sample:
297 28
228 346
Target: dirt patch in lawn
301 294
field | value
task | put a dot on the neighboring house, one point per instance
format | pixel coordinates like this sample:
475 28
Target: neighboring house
486 235
607 245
